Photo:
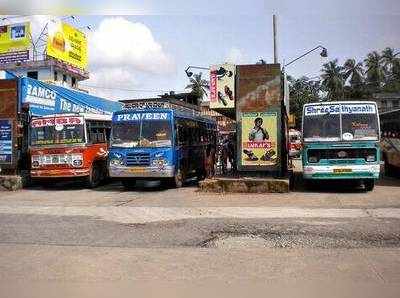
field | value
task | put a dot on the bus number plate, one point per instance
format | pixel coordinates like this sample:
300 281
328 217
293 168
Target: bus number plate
136 170
338 171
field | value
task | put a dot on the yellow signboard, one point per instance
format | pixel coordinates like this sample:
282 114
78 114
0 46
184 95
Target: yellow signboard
67 44
15 37
259 138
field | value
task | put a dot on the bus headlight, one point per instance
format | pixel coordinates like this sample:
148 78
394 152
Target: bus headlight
35 161
312 159
77 160
370 158
160 163
116 162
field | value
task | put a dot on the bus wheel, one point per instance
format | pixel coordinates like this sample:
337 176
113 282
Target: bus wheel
178 178
129 184
201 174
369 184
94 178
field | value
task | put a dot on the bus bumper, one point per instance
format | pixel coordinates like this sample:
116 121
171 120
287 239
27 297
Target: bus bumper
341 172
141 172
48 173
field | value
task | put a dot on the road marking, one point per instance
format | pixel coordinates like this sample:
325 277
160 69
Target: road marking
154 214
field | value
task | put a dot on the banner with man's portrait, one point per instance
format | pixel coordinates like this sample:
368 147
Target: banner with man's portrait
259 138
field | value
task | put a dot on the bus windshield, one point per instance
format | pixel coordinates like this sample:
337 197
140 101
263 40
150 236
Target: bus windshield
56 131
326 127
144 133
360 126
340 121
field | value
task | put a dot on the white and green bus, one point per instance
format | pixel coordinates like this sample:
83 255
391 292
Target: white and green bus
341 141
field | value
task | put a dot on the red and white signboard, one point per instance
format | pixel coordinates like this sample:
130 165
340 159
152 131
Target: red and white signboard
53 121
222 86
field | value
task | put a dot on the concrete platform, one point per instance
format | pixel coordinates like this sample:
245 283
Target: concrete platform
244 185
11 182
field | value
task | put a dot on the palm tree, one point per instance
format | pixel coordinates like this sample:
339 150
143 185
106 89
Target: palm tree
333 79
375 69
198 85
354 71
390 63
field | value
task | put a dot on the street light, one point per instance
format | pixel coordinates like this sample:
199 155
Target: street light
220 72
324 54
190 73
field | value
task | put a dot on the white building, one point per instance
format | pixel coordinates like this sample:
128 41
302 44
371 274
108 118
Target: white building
49 71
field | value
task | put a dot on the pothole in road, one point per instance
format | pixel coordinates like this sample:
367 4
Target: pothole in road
276 240
236 241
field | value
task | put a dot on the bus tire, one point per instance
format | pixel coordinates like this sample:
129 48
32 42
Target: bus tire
201 174
128 184
94 178
308 185
178 178
389 170
369 184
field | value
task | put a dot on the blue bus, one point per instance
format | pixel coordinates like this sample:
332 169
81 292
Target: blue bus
341 141
160 144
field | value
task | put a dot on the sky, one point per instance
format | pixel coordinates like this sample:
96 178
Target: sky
138 46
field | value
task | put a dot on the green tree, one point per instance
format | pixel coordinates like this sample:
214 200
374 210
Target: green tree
353 73
333 80
198 85
302 91
389 60
374 71
391 64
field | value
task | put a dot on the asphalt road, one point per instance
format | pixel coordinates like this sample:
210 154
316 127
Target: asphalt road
334 233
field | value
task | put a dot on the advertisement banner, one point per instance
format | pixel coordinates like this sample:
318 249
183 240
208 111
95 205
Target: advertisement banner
14 38
45 99
67 44
222 86
5 141
14 57
259 138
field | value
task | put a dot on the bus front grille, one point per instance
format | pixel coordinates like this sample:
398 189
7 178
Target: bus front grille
138 159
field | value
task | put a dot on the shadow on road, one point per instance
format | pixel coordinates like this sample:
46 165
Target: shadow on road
111 185
326 186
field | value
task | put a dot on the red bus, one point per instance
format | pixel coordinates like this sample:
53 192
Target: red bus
70 146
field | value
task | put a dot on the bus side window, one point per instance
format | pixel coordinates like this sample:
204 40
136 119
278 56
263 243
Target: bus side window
182 132
176 129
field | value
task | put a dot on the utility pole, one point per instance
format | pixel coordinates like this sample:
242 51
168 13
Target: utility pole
274 32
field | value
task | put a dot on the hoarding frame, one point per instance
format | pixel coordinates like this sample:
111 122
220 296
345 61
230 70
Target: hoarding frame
66 48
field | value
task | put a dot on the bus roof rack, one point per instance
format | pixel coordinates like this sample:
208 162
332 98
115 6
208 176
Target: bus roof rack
160 103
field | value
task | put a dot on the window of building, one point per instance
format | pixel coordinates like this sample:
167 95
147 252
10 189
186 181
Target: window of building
396 103
33 74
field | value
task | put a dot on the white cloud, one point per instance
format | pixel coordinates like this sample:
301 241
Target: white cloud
118 41
235 56
110 82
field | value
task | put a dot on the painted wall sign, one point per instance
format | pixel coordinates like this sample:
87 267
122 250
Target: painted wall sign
5 141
